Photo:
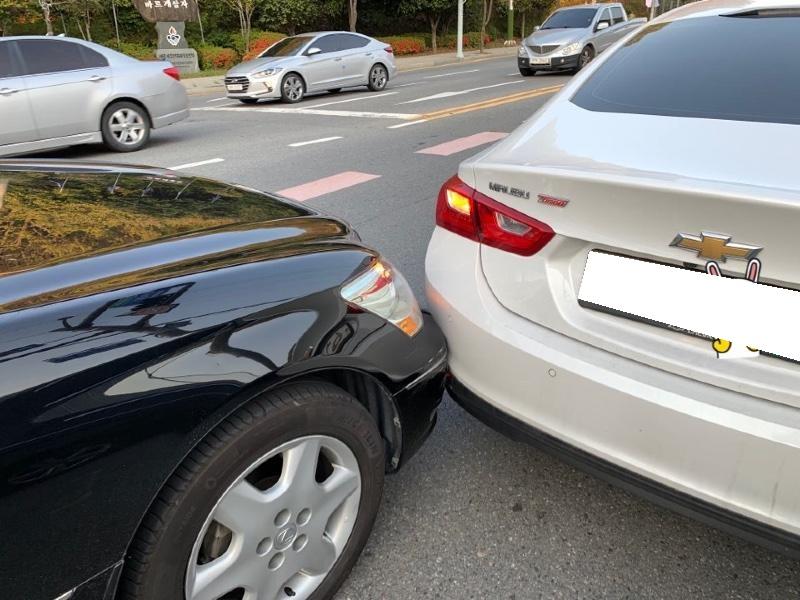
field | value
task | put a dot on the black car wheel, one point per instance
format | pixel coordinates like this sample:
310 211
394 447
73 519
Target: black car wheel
248 100
525 72
378 78
585 58
278 500
125 127
293 88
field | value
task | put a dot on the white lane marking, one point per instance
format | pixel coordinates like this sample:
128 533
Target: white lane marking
319 141
364 97
407 123
451 74
216 100
459 92
210 161
513 74
407 84
311 111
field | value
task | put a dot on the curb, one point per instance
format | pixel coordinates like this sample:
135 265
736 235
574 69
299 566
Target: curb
206 85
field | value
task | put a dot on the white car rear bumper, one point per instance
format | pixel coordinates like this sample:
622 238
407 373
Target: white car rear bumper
691 440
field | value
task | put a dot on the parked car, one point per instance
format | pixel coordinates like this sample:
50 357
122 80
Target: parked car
634 164
202 386
571 37
58 91
312 62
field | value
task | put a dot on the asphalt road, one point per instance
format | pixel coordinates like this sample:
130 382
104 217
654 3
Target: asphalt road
474 515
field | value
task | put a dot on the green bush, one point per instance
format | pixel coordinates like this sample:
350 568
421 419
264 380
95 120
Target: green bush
140 51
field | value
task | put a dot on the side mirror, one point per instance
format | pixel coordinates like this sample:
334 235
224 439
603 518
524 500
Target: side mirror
313 51
537 28
602 25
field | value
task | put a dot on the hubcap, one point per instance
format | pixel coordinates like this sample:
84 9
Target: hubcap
378 77
278 530
293 88
127 126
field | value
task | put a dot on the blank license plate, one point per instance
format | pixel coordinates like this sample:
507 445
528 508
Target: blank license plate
235 87
752 314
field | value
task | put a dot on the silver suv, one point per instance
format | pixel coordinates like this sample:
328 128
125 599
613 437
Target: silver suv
312 62
571 37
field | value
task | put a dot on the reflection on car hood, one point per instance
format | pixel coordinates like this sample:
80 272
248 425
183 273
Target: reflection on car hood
259 64
546 37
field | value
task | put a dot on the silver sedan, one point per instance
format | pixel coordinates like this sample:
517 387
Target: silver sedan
57 92
312 62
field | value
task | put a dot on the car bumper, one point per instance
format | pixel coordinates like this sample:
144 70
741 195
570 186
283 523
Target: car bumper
733 456
169 119
418 398
256 89
555 63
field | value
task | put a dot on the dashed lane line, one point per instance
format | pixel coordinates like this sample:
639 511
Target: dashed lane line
362 97
319 141
451 73
210 161
312 111
459 92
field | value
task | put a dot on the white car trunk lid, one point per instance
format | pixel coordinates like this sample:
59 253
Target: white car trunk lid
629 184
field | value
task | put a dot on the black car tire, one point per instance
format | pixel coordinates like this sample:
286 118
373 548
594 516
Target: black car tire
137 117
378 78
586 56
248 100
525 72
335 90
291 82
157 560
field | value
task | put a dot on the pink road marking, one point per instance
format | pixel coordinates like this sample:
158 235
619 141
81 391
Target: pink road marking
326 185
465 143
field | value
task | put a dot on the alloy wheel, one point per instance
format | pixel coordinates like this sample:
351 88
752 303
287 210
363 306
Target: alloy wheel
293 88
278 530
586 57
378 77
127 126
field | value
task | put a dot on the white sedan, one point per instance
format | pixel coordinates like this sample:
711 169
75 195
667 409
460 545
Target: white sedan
617 279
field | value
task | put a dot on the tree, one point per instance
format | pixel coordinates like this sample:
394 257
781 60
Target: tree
47 6
526 8
431 10
82 12
488 5
244 9
13 12
290 16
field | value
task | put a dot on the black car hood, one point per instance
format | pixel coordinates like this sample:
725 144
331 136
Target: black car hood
74 230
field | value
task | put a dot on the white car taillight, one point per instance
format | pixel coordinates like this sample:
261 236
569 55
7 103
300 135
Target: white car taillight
467 212
382 290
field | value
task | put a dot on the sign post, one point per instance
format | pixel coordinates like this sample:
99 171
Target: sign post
170 17
460 32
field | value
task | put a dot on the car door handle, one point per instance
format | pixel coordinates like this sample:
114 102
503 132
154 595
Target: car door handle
96 78
7 91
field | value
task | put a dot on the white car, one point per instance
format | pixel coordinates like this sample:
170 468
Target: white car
575 269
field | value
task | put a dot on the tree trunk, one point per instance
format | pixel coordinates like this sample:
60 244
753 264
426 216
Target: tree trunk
45 4
434 28
353 13
487 16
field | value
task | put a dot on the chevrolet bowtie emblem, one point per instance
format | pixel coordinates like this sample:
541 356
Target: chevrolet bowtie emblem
715 246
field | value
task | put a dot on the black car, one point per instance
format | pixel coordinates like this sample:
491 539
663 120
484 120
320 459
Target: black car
201 387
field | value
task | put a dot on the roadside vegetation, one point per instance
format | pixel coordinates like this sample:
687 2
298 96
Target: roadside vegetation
233 30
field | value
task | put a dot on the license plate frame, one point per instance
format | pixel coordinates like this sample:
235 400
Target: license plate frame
235 87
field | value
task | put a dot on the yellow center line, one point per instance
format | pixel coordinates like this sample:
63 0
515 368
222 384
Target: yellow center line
458 110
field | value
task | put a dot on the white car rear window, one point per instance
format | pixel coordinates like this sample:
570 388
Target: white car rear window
743 68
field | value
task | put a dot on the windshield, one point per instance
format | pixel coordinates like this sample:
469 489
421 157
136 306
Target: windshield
290 46
649 74
575 18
